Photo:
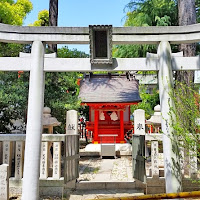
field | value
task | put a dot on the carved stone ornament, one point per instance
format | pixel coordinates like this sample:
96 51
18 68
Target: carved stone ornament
100 44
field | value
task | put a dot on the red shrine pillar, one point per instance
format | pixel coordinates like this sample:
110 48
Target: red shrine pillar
121 126
96 122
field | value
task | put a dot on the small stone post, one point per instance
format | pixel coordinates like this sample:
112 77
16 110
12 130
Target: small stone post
44 160
19 158
56 160
7 152
171 159
30 188
154 159
72 122
4 182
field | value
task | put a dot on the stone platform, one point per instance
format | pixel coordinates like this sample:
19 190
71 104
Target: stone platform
95 150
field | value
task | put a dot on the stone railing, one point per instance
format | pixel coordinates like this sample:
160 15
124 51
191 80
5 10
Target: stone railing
52 162
188 163
12 148
12 153
155 167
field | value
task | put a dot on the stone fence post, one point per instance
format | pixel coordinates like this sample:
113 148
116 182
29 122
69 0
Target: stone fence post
4 182
72 122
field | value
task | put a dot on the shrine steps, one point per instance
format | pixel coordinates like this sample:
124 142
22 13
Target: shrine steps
102 193
108 185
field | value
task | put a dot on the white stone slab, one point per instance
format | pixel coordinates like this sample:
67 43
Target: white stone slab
7 150
56 160
197 76
154 158
4 182
160 160
44 160
19 158
72 122
139 122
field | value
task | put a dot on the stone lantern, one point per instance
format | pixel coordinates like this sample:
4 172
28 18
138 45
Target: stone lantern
155 119
48 121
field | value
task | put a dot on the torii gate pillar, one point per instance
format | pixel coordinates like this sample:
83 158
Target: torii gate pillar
170 148
30 188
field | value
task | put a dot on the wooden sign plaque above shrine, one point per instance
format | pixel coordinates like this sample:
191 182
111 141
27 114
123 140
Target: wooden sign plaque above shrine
100 44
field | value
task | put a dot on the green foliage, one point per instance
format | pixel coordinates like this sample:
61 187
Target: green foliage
10 49
163 21
13 90
14 13
43 19
13 98
132 51
184 117
149 101
146 12
65 52
61 89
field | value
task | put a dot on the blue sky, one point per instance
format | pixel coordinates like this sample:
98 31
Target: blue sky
83 13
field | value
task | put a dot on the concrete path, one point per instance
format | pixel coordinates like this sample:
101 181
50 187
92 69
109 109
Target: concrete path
107 170
104 174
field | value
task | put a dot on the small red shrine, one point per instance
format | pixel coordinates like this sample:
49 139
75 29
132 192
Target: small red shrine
109 98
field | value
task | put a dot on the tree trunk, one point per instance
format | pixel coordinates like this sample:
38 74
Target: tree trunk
53 20
187 16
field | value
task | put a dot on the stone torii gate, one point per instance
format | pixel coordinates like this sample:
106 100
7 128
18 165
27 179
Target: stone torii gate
37 64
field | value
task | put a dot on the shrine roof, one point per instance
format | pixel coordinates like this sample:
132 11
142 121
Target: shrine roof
109 88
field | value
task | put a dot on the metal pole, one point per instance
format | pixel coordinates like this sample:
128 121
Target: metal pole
30 188
170 148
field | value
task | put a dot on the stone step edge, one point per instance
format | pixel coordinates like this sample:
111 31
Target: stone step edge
109 185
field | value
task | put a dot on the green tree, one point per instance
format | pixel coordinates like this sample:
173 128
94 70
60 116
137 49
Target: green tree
13 98
14 13
13 90
149 101
147 13
43 19
151 13
61 88
185 117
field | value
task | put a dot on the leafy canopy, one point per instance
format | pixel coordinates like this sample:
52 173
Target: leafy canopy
14 13
146 13
152 13
43 19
